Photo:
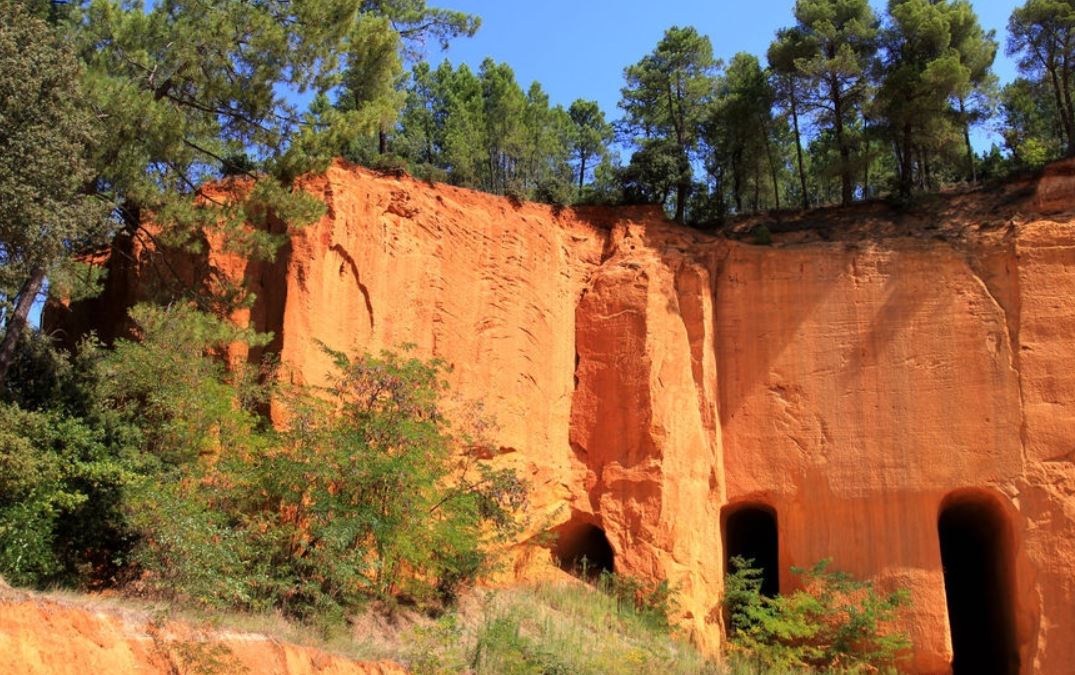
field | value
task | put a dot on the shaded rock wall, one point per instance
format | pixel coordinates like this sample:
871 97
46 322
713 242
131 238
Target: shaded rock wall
645 379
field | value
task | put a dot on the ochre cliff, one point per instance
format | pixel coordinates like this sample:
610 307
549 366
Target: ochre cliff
41 636
652 381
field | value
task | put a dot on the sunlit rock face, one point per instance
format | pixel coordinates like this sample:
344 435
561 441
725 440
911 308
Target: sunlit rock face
43 636
650 381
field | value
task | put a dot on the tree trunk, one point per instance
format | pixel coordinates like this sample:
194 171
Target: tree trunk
906 164
737 183
1065 118
847 186
382 142
1069 109
772 165
927 176
799 151
757 188
966 140
582 169
16 324
682 188
865 165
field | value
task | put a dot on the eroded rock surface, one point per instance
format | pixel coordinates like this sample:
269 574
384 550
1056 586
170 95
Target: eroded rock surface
39 636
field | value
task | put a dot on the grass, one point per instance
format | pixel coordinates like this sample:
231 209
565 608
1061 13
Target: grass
554 629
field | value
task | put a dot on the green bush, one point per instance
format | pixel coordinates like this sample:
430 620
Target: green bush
60 485
833 623
366 495
370 495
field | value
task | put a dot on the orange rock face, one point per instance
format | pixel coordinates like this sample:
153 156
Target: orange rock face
649 381
50 638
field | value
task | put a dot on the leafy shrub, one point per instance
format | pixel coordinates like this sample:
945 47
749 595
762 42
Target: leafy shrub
554 190
371 496
366 495
834 622
59 497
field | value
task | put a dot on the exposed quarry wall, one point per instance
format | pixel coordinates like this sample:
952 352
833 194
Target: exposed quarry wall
647 379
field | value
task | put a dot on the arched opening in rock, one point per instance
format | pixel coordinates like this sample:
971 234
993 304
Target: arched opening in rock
583 548
750 532
977 554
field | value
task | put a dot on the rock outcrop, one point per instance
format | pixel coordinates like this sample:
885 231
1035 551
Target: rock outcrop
649 381
41 636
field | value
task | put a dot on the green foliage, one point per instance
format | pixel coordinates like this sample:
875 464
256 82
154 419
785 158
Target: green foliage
46 132
590 135
1041 33
937 54
664 101
834 622
502 648
746 159
151 465
183 403
186 91
569 629
60 484
366 495
370 496
46 128
482 130
839 39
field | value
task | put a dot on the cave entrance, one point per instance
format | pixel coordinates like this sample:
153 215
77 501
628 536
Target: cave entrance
750 532
977 554
583 548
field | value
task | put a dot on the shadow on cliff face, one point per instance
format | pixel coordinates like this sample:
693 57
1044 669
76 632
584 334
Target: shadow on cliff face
268 282
761 306
976 551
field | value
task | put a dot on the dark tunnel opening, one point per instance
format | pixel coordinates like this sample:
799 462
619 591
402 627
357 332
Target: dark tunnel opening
976 552
584 549
751 532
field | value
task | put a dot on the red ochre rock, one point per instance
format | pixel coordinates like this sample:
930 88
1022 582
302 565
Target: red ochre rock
40 636
648 380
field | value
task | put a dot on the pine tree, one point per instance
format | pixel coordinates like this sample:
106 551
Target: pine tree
933 57
369 85
842 35
740 134
46 131
665 101
789 47
1042 35
590 137
977 50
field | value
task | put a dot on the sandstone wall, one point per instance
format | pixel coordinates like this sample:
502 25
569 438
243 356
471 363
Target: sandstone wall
646 379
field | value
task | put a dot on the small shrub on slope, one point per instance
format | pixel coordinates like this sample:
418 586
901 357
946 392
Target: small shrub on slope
833 623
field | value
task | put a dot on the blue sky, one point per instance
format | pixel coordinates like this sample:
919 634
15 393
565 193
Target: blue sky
579 48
